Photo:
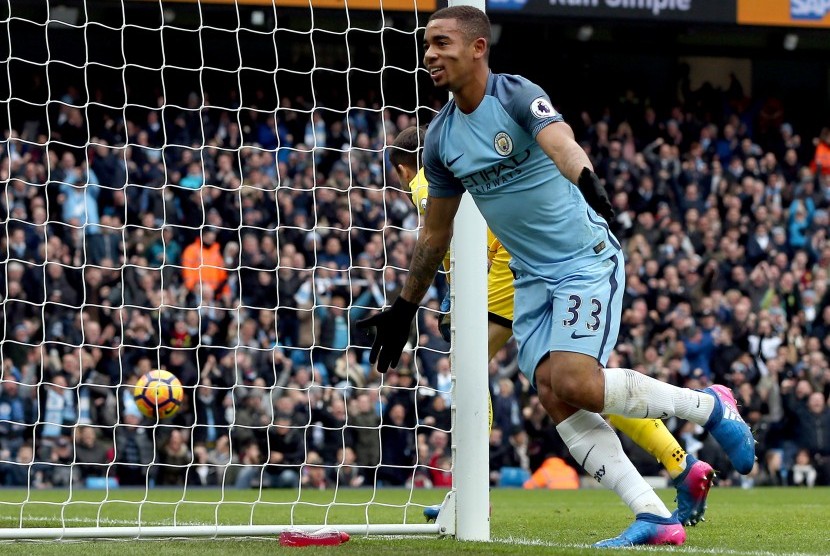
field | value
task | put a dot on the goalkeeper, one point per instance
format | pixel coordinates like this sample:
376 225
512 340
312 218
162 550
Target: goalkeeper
690 476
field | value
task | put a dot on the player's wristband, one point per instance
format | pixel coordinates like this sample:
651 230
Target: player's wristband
595 194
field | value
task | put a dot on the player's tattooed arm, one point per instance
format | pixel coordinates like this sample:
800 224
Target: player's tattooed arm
433 243
425 262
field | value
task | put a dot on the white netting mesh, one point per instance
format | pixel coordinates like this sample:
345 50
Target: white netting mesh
200 188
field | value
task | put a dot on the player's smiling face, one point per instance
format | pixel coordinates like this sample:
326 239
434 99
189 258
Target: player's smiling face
448 55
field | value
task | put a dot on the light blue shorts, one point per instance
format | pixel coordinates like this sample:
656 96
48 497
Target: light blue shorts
579 313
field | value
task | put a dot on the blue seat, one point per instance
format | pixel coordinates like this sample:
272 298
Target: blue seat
100 483
513 477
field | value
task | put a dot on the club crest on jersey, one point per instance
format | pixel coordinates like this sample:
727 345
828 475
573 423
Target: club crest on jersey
503 143
541 108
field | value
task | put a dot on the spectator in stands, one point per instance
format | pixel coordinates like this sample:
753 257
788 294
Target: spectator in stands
812 428
346 473
519 442
248 470
133 449
173 456
397 442
438 457
507 413
366 433
250 417
16 472
209 410
437 413
500 454
287 452
803 471
204 266
60 410
201 472
821 159
219 458
59 471
802 212
334 435
314 473
443 379
92 454
16 411
180 364
699 347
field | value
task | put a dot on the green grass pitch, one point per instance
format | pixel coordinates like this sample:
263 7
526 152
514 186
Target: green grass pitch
758 522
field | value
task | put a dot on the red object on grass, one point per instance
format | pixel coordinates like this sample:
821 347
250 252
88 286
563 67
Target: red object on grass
299 538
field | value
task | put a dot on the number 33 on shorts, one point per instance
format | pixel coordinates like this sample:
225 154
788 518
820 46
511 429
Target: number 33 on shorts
587 309
592 322
579 314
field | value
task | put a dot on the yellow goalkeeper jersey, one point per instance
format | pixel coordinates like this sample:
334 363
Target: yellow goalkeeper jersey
419 189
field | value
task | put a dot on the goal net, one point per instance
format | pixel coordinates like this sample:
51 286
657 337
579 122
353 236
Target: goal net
202 187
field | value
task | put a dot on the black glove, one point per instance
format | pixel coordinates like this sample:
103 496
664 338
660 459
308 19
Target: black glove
391 332
595 194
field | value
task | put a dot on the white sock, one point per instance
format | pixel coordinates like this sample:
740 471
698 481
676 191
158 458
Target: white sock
632 394
595 445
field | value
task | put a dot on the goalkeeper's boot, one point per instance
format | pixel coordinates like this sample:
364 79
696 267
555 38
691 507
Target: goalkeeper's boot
445 320
730 430
692 489
431 512
648 529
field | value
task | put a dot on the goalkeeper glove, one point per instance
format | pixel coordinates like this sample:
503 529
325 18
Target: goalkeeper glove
391 332
445 320
595 194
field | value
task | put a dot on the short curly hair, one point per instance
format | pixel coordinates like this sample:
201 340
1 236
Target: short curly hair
407 147
473 22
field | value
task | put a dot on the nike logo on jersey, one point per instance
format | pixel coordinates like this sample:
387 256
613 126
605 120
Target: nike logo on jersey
454 160
575 336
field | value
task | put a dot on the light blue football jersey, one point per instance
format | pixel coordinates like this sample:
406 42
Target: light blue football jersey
539 215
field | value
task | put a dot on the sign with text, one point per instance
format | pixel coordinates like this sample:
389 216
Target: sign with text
392 5
710 11
791 13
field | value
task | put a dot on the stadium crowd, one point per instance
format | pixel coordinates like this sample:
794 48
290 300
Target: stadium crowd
722 208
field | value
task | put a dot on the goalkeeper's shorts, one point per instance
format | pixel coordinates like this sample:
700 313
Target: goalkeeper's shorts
500 289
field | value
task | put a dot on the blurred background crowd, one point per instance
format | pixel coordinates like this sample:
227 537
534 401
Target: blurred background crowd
237 250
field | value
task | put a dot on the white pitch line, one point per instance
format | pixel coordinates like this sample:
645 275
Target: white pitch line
684 549
505 540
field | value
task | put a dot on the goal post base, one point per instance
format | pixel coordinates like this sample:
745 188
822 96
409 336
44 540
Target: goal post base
446 517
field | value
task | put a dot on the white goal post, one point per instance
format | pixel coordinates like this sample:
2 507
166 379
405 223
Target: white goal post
202 186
